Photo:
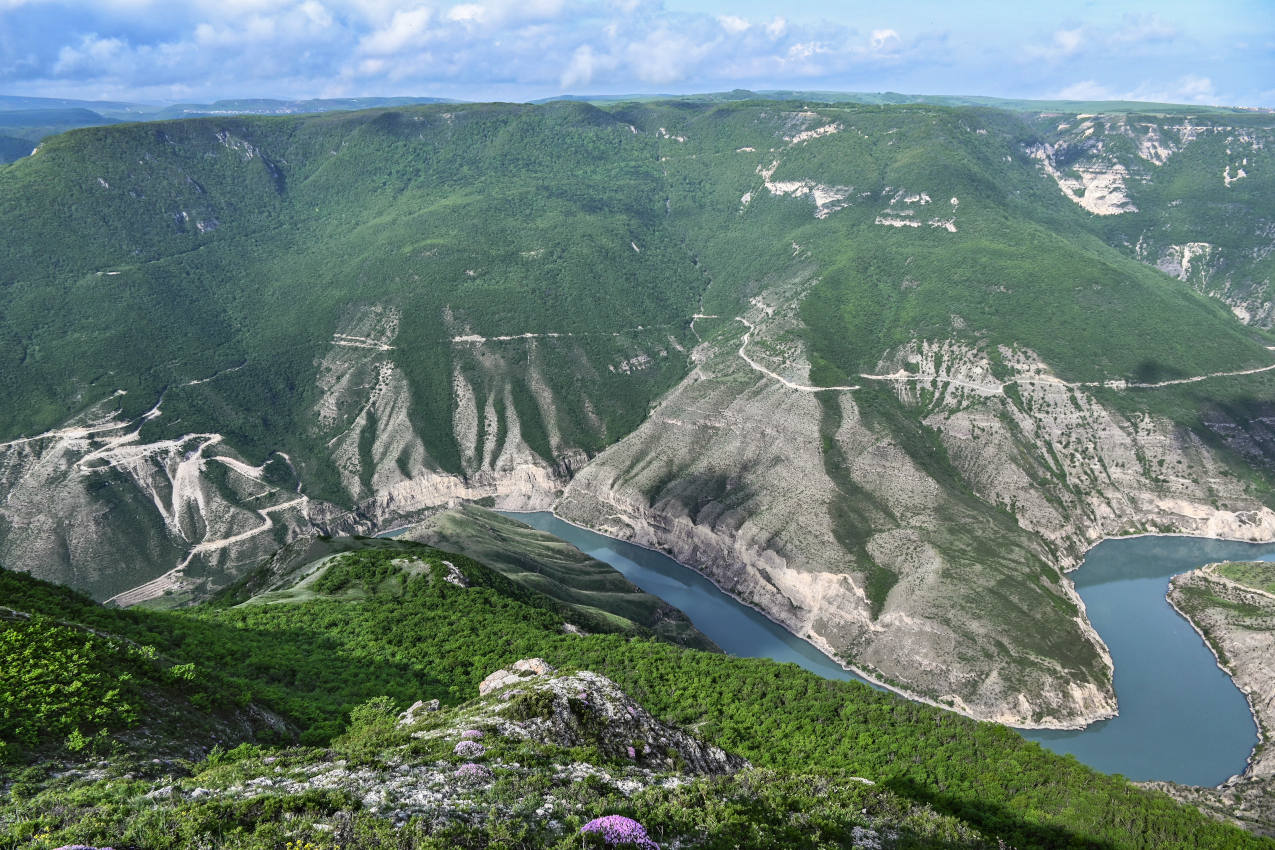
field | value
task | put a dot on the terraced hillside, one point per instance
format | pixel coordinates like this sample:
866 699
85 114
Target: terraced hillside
883 371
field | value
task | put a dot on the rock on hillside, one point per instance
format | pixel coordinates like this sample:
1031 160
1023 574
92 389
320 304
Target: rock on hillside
527 701
448 765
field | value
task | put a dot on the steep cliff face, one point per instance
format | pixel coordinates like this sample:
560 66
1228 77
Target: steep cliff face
1185 194
364 418
837 522
188 514
97 506
1067 467
915 525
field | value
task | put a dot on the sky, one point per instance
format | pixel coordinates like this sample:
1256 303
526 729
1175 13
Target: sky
1220 52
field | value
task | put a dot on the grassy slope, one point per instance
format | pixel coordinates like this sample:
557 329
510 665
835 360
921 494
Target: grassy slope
1187 201
512 219
70 686
596 592
588 593
417 638
322 215
1257 574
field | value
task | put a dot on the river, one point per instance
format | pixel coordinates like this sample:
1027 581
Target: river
1181 718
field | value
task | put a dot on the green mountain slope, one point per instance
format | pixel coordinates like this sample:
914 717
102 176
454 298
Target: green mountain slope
867 366
80 685
376 626
590 595
595 591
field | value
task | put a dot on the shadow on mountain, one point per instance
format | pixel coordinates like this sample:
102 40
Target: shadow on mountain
704 494
1152 372
1245 425
995 821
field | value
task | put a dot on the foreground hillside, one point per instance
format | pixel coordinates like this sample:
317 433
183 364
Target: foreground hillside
884 372
515 731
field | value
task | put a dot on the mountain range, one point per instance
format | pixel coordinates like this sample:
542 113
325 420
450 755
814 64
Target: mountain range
884 371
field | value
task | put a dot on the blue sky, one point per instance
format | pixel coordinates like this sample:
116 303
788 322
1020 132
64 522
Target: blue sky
168 50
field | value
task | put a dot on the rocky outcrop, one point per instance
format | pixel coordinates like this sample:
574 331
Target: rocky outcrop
1067 467
528 702
1086 175
1113 164
363 416
416 710
186 514
523 669
444 763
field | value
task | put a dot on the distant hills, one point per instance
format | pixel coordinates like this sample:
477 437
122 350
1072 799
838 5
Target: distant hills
24 121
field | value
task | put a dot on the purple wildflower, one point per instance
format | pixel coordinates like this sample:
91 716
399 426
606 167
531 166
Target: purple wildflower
469 749
632 752
471 734
619 831
471 772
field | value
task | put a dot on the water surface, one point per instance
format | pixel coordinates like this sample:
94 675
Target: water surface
1181 718
736 628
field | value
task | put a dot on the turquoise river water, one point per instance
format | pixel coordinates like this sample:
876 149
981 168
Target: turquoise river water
1181 718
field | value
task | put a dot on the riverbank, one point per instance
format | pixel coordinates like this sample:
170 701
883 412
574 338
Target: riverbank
1236 619
1120 575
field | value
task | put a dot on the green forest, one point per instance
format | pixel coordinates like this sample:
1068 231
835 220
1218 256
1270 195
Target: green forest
374 634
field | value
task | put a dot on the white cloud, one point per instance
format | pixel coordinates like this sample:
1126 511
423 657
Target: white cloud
1196 89
1191 88
1136 35
92 53
1062 44
807 50
404 29
584 64
1136 29
665 56
884 39
1085 90
1067 42
476 48
467 12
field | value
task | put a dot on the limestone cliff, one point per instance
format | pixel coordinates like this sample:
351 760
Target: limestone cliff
929 562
